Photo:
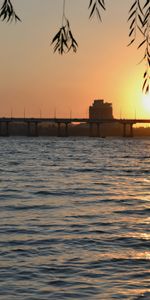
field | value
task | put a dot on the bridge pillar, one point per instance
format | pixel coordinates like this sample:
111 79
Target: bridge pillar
98 130
7 128
90 129
4 128
124 130
131 130
36 129
66 129
58 129
28 129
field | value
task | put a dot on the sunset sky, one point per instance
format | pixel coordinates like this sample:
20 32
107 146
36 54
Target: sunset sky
34 79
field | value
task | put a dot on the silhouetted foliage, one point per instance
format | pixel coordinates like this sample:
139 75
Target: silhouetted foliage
95 6
64 41
7 12
139 17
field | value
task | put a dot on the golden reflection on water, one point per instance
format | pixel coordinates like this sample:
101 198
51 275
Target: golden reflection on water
144 255
119 255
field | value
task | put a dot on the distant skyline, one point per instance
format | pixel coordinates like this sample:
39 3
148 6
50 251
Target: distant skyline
37 82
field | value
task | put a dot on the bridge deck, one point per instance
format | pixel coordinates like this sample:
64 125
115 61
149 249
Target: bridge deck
74 120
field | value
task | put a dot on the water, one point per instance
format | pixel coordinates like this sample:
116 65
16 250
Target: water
74 218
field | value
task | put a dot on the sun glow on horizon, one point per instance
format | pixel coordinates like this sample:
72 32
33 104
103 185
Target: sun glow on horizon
146 101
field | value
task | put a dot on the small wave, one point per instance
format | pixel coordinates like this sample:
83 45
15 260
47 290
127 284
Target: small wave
143 296
143 211
29 207
54 193
131 242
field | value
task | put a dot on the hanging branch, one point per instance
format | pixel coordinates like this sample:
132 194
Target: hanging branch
95 6
135 19
7 12
64 40
139 18
146 41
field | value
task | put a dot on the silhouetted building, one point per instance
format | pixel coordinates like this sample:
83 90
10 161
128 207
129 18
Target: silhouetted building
100 110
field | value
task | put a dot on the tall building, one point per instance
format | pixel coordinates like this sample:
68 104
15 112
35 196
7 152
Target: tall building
100 110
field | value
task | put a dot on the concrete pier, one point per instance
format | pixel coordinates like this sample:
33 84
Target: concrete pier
59 129
131 130
66 129
32 129
4 128
90 129
127 129
98 129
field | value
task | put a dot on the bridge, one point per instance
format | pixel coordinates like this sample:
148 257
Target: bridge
5 124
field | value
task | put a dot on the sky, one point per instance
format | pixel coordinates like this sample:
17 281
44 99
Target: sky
36 82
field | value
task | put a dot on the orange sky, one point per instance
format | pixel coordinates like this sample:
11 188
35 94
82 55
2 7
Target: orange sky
35 79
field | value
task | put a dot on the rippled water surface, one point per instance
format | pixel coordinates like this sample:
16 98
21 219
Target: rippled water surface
74 218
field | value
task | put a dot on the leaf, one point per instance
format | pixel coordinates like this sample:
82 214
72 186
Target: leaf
147 89
132 23
133 5
142 44
143 87
147 2
93 8
132 30
132 41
